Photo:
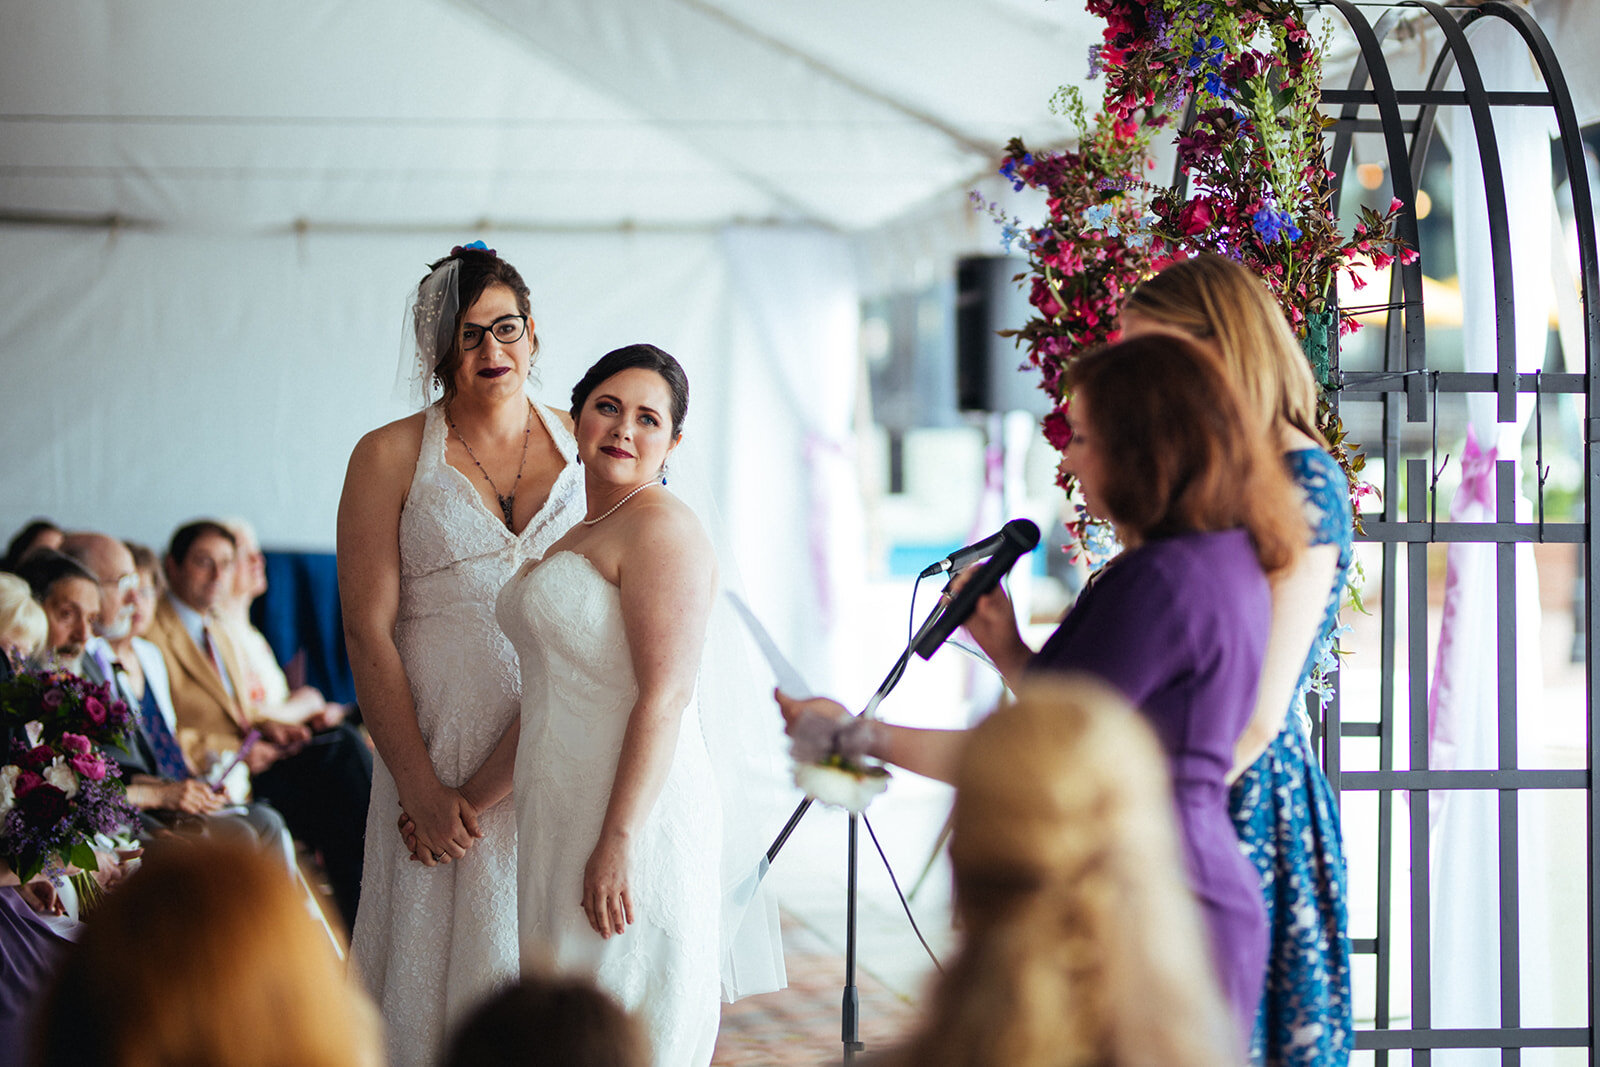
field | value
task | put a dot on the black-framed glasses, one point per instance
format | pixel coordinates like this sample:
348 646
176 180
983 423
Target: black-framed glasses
506 329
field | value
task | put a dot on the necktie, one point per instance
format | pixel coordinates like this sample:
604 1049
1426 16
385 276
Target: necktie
170 762
211 653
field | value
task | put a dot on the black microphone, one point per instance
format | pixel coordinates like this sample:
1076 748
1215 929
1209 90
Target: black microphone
961 557
1019 537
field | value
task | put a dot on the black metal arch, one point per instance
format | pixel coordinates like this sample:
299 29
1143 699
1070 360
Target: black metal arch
1406 375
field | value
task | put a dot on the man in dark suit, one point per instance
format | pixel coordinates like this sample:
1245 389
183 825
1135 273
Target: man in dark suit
320 783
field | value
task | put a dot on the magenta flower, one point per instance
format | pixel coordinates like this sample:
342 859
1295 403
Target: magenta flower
88 764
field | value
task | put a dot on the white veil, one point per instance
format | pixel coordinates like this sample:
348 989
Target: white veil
744 737
430 325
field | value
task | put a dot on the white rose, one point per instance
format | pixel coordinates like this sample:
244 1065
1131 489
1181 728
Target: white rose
8 791
62 777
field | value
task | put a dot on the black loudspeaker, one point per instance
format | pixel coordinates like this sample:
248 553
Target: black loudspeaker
905 338
991 371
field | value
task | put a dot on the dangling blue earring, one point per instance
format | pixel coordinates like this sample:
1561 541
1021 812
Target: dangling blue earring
663 472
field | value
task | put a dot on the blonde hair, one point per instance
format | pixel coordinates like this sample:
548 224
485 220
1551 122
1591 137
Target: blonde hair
205 955
1215 300
22 620
1083 943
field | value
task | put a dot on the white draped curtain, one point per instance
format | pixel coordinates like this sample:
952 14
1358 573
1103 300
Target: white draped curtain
794 495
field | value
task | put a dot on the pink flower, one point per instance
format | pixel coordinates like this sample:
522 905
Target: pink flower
90 765
75 744
1395 205
52 697
95 710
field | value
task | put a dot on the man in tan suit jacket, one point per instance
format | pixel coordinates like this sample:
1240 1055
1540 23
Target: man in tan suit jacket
321 783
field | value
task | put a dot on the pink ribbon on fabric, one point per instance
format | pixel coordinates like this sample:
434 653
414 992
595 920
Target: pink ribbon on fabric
1477 475
1476 493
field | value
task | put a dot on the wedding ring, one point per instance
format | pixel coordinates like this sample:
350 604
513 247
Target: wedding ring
438 856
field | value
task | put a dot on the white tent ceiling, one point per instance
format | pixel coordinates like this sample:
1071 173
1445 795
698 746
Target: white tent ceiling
440 114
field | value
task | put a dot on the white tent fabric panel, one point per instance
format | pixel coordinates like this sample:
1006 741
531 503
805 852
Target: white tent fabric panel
552 113
154 378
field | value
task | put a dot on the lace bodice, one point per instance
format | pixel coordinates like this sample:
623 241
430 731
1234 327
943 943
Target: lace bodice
454 558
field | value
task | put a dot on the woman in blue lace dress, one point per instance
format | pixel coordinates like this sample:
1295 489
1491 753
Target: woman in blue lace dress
1282 805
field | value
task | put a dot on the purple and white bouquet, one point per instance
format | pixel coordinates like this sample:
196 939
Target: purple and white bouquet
59 793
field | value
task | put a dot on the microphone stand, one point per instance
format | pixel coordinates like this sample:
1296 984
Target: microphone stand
850 1008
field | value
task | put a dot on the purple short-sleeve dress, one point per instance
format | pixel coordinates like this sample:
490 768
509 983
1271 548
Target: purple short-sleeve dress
1179 626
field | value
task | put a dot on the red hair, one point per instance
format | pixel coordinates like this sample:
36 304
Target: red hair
1181 454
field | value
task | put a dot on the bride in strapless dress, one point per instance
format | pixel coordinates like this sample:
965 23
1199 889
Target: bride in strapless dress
618 816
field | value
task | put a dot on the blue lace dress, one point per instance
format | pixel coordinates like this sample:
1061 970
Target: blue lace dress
1288 823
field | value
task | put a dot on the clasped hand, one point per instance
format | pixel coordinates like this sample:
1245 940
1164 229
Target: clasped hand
438 827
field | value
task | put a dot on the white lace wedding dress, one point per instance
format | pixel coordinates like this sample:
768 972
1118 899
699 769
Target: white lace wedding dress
578 688
431 942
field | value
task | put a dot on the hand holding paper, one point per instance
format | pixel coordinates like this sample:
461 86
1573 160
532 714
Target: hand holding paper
829 746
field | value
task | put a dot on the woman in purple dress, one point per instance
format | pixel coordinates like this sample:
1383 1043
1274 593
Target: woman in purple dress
1283 806
1177 623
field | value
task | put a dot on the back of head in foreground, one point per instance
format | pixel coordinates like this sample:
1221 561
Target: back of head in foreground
1083 945
549 1022
206 955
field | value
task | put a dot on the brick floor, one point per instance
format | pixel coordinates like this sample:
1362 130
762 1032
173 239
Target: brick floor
800 1025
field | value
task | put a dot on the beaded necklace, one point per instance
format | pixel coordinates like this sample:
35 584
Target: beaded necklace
508 501
624 500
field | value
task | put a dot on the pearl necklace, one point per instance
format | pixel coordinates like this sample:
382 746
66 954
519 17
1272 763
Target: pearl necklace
618 504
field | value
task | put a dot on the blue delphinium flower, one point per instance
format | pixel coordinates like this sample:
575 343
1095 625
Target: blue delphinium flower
1094 62
1271 224
1008 171
1098 216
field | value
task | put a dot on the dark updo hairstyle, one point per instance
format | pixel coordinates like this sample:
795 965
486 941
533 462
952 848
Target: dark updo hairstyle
1179 452
479 269
648 357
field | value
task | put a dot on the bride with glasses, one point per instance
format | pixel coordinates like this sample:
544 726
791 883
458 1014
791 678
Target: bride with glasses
439 509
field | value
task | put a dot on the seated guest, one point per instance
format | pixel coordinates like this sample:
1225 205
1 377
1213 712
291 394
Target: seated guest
161 782
205 956
549 1022
22 624
321 785
1082 944
269 687
70 596
40 533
